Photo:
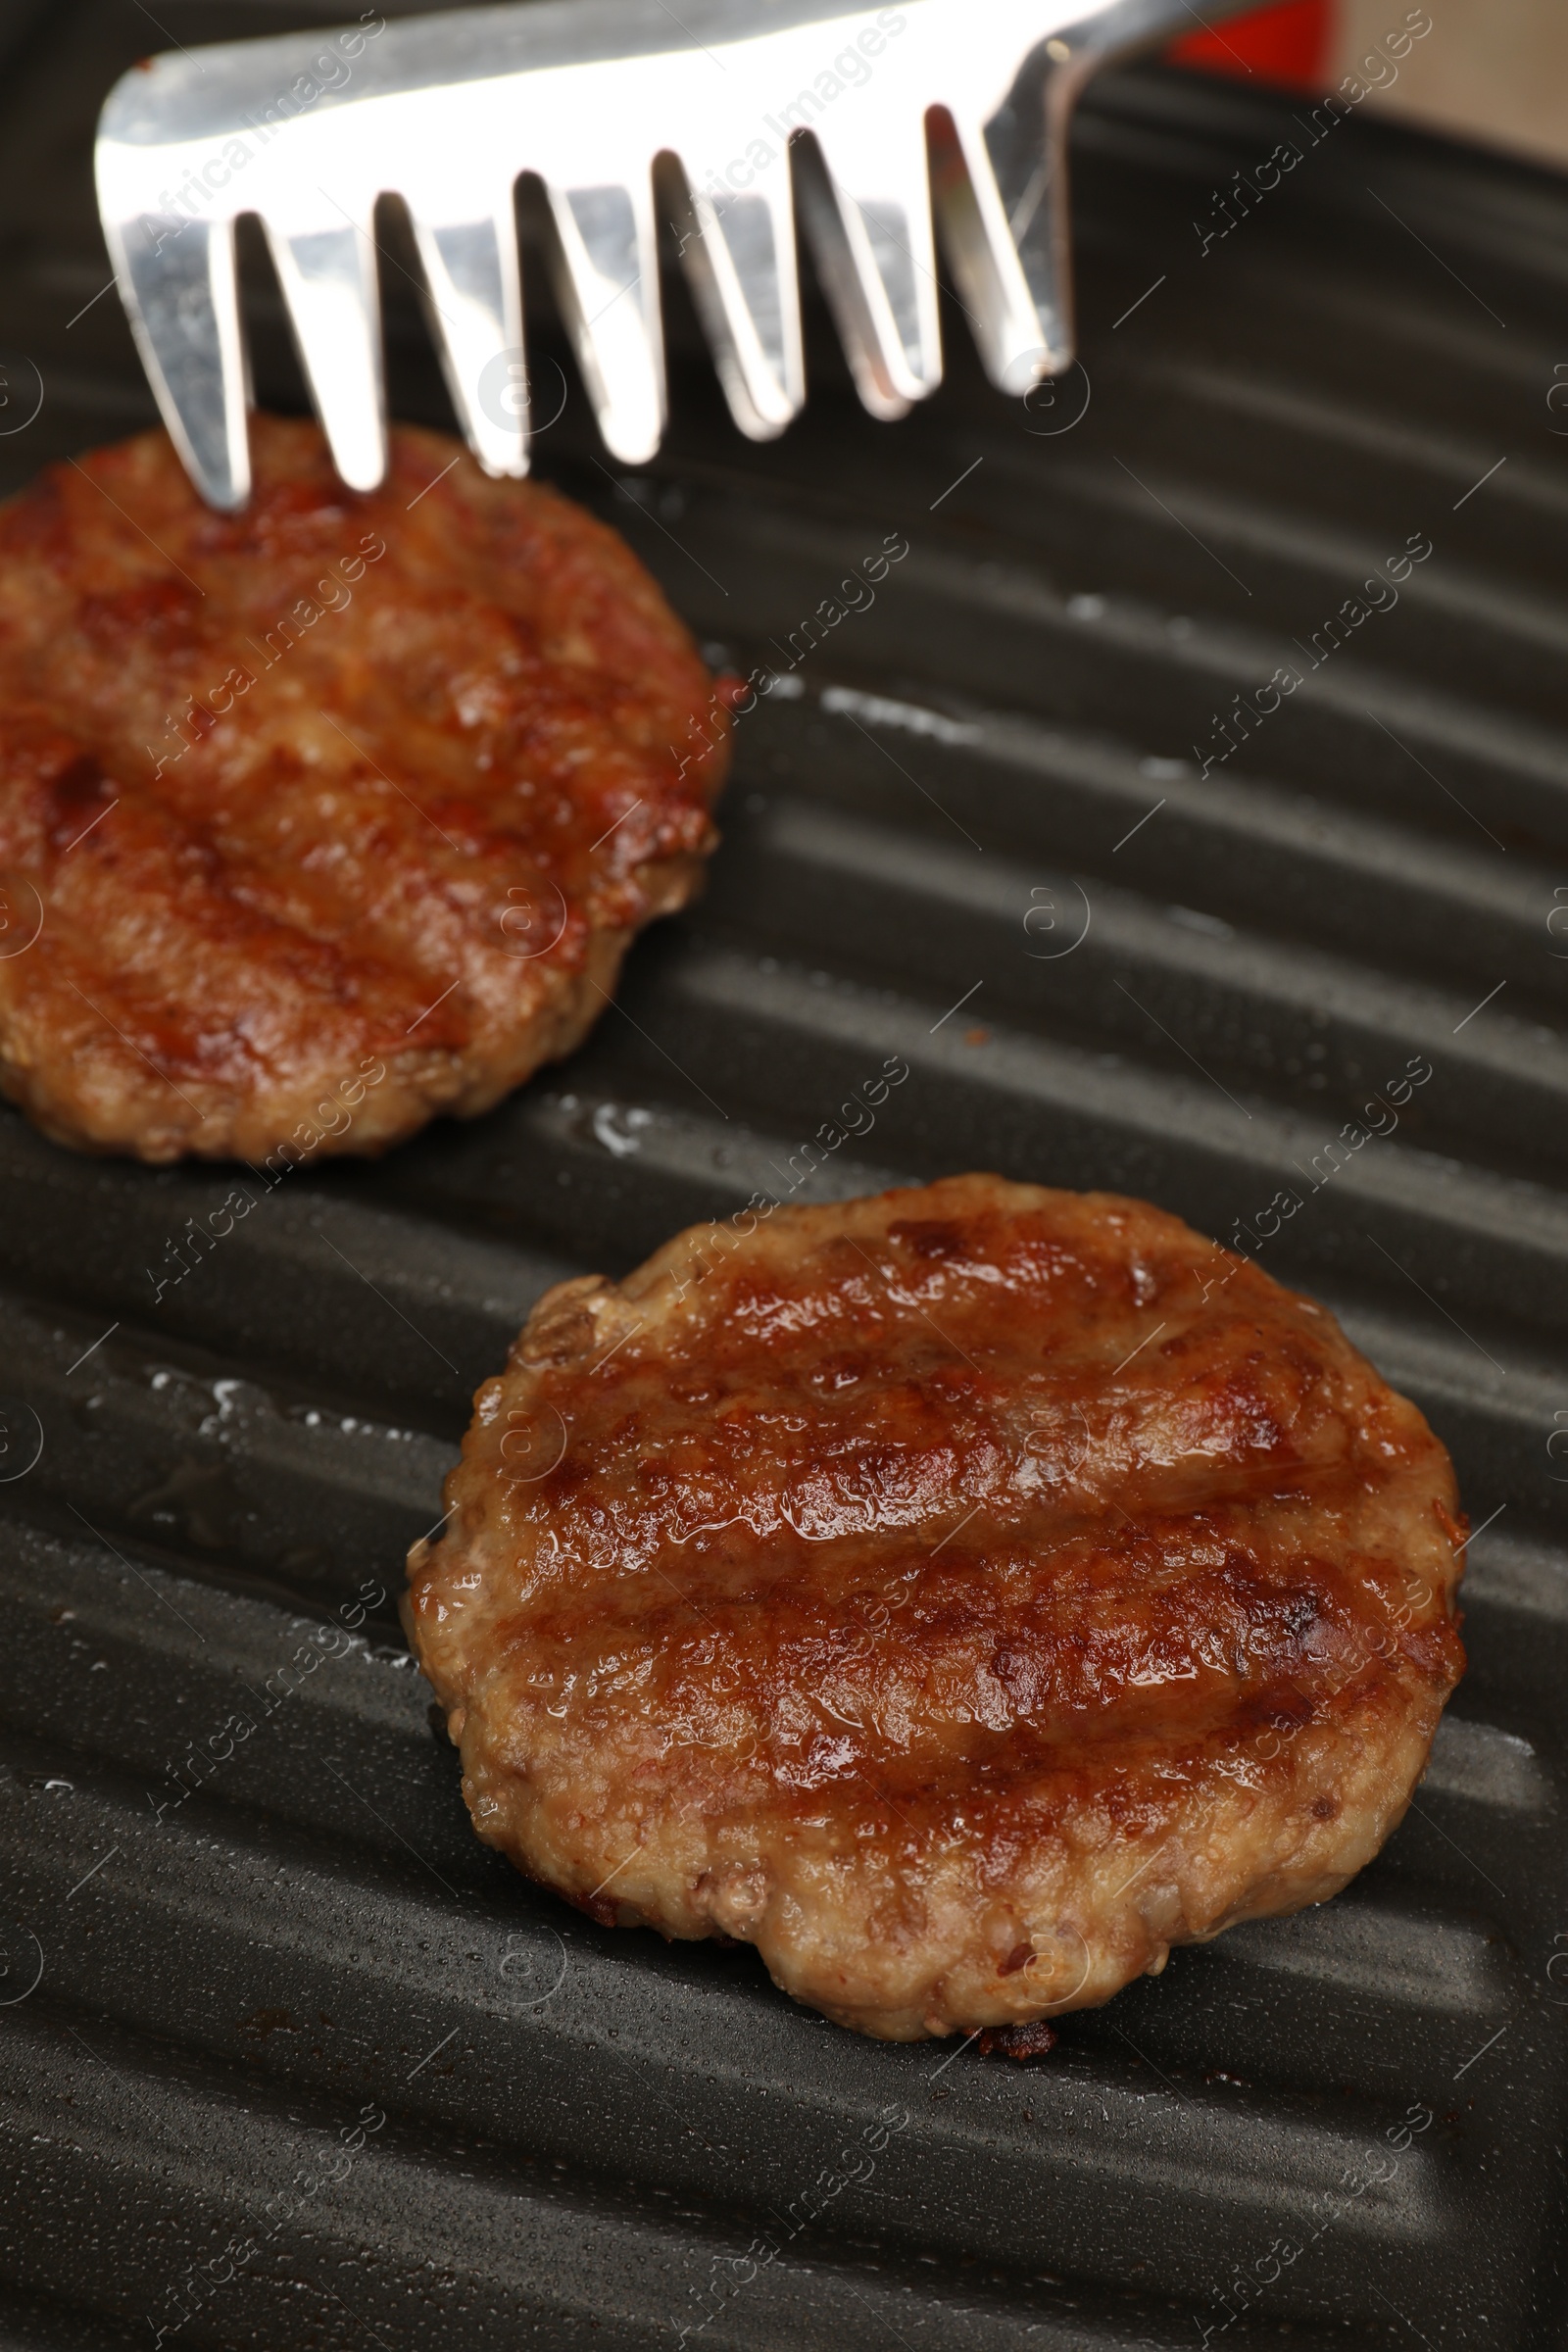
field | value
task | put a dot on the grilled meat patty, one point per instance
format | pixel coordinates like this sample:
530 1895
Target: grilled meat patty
320 818
962 1595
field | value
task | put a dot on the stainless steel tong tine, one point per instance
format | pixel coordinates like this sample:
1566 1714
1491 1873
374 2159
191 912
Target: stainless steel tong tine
618 108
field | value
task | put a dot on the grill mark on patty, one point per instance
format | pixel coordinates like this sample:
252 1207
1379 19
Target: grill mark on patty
847 1640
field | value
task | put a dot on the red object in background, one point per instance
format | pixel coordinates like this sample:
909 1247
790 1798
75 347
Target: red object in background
1289 44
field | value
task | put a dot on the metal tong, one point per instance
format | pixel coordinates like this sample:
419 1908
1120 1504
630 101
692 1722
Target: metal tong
735 119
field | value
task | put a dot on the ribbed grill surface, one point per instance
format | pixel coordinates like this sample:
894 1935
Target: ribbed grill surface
1344 2128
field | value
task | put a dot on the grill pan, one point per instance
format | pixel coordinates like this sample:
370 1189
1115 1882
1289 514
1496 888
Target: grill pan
285 2056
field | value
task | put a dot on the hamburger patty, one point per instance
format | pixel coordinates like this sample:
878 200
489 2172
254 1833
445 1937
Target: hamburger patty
342 796
962 1595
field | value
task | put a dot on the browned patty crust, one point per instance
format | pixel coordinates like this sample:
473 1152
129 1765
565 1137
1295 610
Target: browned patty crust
963 1595
335 786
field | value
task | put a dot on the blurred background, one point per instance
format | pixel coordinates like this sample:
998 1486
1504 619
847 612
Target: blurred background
1489 70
